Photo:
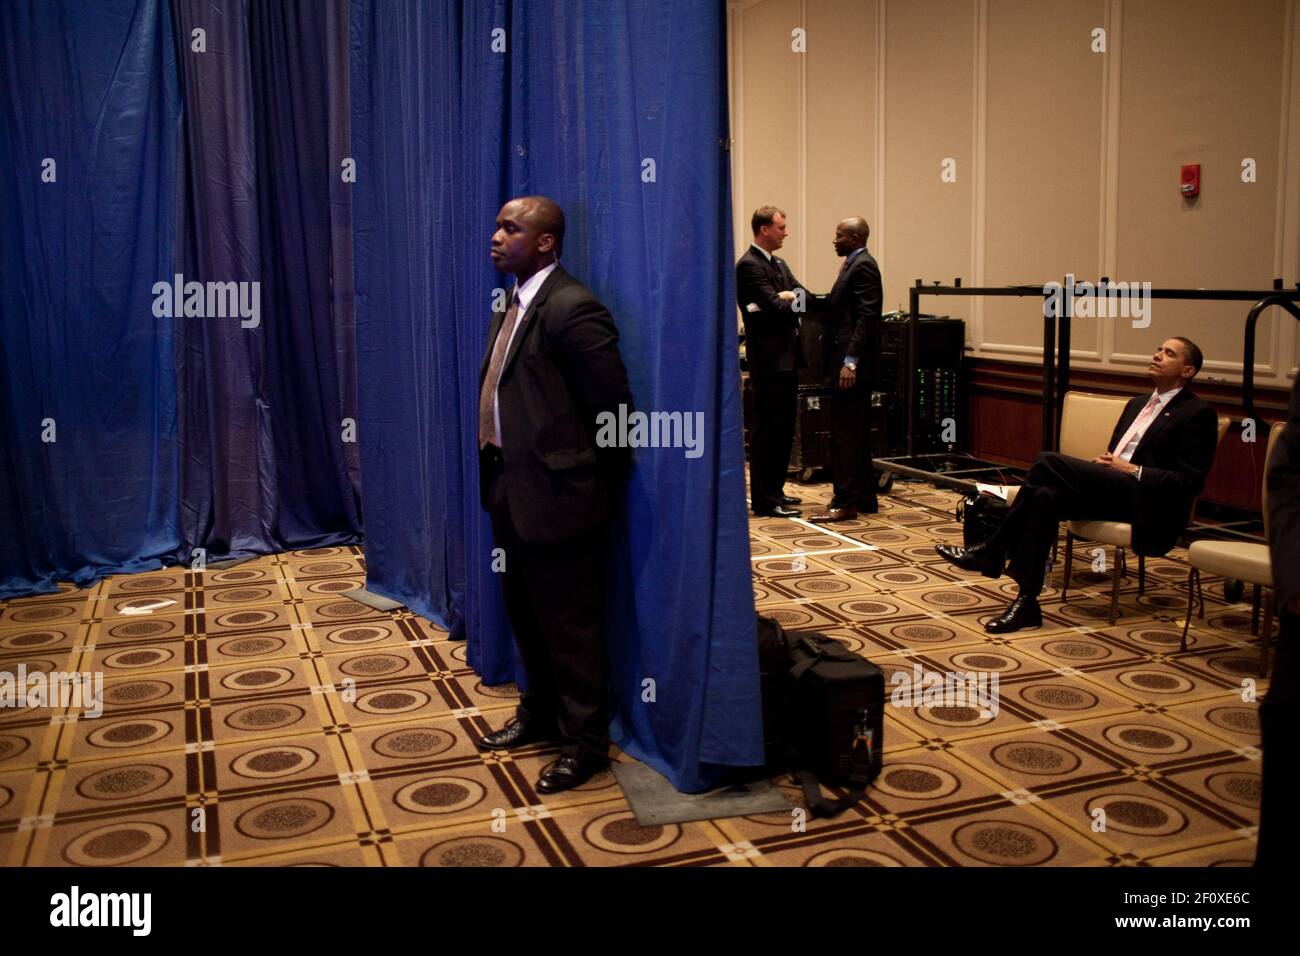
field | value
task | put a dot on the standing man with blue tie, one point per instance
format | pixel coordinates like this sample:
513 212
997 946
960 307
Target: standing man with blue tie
552 366
766 293
1160 452
852 310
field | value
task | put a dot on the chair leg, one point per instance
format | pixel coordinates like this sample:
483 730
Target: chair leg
1267 633
1254 611
1142 574
1069 563
1200 595
1191 576
1114 586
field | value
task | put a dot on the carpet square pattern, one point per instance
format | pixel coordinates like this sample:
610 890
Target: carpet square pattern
255 716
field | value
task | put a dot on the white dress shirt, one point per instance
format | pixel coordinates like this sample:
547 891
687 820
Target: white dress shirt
525 294
1130 440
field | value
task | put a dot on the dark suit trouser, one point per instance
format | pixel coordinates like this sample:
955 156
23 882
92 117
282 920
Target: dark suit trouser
554 596
851 469
1279 827
775 397
1058 488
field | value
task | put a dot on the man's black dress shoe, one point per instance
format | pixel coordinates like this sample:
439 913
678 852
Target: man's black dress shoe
780 511
787 500
1022 612
567 773
978 558
516 733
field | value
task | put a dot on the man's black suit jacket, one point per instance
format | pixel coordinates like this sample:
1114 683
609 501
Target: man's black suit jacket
563 369
1175 454
1284 506
771 333
852 316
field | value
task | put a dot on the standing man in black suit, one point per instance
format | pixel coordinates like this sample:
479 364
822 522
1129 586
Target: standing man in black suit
852 310
1279 832
1160 452
552 366
768 295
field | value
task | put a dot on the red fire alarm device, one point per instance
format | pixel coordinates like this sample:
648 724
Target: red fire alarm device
1190 186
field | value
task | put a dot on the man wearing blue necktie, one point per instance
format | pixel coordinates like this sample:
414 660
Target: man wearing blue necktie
1160 452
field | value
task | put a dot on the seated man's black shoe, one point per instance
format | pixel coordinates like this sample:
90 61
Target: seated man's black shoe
979 558
787 500
517 733
1022 612
780 511
567 773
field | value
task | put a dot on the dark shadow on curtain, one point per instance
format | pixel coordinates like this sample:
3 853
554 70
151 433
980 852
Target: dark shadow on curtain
267 402
428 143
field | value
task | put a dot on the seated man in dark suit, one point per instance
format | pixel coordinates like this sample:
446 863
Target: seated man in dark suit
1160 452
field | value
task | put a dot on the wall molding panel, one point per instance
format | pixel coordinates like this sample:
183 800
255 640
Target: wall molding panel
1153 103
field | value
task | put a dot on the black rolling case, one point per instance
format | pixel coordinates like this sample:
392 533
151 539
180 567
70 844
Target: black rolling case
812 431
823 714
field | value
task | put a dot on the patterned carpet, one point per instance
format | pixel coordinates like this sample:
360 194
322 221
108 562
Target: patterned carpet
228 738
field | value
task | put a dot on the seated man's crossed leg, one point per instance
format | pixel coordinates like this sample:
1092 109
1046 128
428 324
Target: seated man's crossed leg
1058 488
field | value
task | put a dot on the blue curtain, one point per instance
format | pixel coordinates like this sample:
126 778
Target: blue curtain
172 433
88 110
617 110
270 462
182 433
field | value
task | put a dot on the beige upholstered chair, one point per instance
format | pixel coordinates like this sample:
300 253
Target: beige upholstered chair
1087 419
1099 413
1242 561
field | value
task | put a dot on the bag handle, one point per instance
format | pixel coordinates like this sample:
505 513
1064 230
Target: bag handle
820 806
814 649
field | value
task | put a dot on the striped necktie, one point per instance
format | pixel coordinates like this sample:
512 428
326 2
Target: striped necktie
487 421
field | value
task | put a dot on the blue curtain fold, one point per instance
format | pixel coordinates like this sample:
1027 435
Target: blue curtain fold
446 128
270 463
88 438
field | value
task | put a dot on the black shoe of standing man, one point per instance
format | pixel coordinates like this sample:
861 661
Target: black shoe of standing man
1022 612
517 733
787 500
978 558
778 511
569 772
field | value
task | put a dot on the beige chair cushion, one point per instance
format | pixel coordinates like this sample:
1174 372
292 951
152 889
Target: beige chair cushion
1115 533
1242 560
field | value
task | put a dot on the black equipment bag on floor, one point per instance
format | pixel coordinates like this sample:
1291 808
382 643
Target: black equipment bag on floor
823 714
980 518
774 677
